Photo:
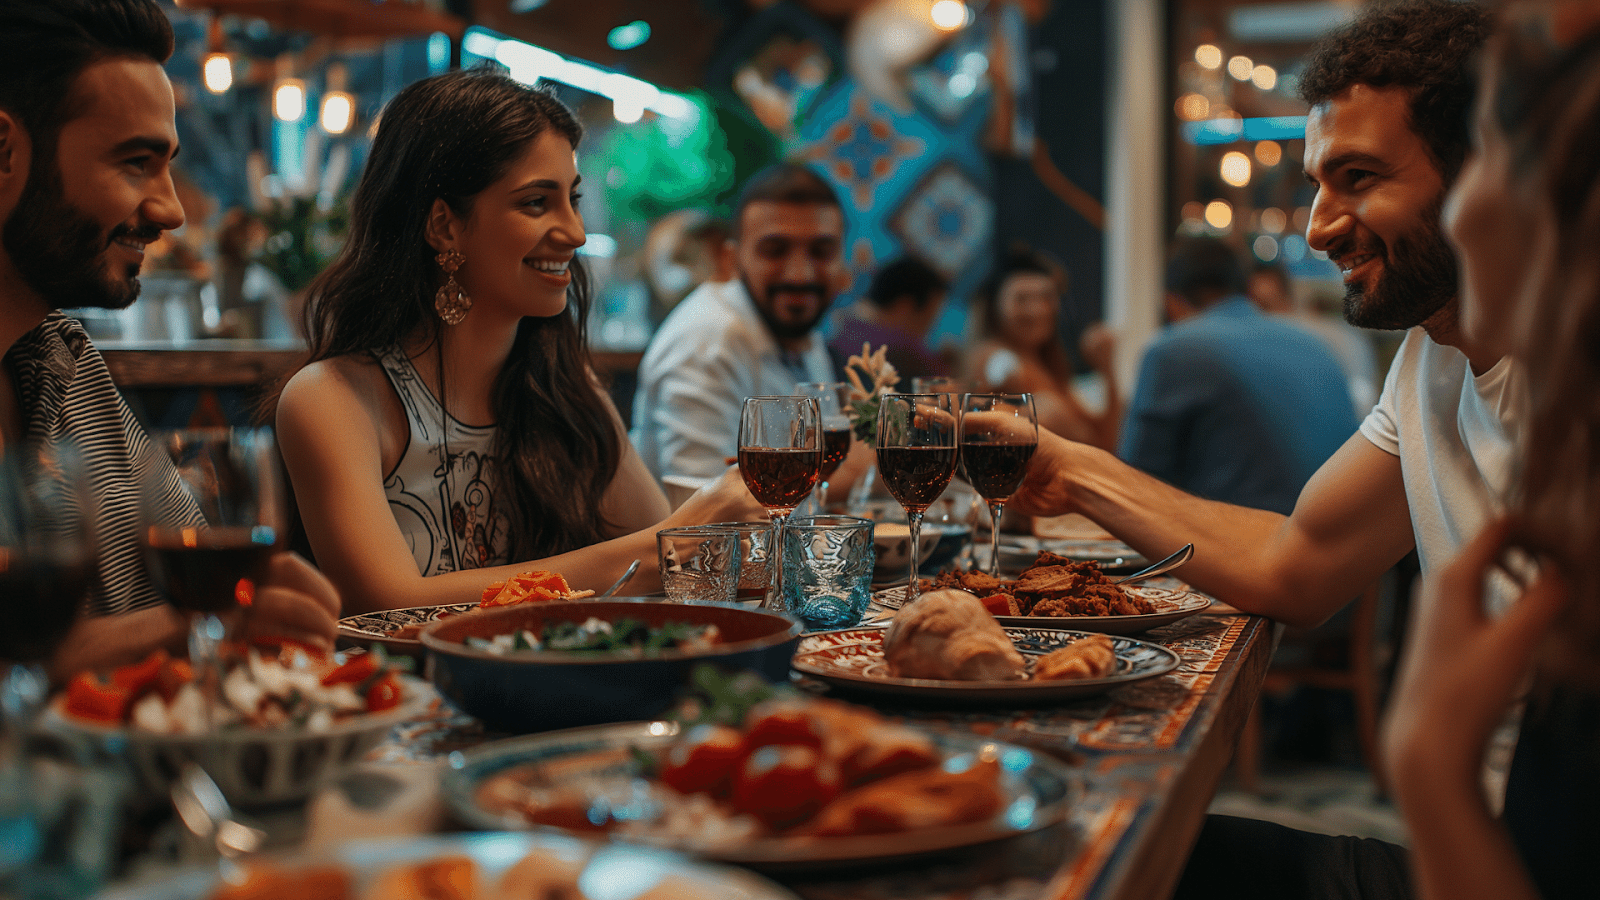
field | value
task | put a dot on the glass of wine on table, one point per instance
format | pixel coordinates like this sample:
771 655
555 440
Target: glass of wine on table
780 456
832 398
46 557
917 442
999 434
214 513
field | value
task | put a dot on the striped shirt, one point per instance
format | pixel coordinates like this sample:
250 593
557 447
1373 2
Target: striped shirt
68 397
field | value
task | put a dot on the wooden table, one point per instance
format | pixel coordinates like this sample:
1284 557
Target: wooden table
1149 755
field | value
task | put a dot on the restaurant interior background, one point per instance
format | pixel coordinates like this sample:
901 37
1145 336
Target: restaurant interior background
1091 129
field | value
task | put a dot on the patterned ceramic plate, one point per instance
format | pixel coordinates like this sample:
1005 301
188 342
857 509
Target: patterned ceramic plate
853 659
1038 791
1171 605
1018 552
381 627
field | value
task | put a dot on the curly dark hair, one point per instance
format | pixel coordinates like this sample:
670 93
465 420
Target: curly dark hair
1428 46
449 137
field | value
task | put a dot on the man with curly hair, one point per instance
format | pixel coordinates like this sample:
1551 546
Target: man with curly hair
1390 96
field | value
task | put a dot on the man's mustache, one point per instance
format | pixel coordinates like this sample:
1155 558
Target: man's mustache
146 233
817 290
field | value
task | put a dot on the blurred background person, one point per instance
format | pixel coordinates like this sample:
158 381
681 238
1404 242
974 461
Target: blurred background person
1272 290
684 249
250 301
750 336
1021 350
1231 404
897 312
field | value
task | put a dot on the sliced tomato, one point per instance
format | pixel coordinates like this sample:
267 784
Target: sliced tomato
354 671
997 604
140 675
94 700
781 722
384 693
784 785
703 761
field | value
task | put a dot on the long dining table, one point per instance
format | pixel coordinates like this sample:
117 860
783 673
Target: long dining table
1148 757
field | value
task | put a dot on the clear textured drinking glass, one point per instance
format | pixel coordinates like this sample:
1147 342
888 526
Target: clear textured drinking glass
780 455
917 444
699 562
999 434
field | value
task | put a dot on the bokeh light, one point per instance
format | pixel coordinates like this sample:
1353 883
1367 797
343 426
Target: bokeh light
1265 247
1273 220
1208 55
1235 168
1240 67
1264 77
1193 211
948 15
1219 214
1269 153
1193 107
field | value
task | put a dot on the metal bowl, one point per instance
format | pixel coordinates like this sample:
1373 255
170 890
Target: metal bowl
541 690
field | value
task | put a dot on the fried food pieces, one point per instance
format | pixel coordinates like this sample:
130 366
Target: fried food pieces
1090 657
1052 585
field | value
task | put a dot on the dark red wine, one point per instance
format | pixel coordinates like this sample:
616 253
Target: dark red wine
779 479
835 447
201 569
995 470
39 601
916 476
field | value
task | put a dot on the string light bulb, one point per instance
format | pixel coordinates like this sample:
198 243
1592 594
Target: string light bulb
216 69
338 106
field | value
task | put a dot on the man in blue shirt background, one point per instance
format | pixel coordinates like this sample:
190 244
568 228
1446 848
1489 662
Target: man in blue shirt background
1231 404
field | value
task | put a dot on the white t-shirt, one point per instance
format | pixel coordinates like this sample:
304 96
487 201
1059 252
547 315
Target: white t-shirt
1455 435
712 351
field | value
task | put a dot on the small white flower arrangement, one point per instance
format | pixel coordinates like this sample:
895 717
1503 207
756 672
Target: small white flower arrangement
870 375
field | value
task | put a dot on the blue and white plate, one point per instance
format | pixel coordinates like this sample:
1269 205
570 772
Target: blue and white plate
853 660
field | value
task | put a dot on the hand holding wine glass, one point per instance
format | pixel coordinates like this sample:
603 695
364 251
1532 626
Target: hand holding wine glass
780 455
999 434
214 514
917 441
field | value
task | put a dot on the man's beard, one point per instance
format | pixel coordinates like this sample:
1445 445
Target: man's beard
789 331
60 252
1418 279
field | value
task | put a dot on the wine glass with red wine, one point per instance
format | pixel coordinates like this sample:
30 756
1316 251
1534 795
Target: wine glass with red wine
214 513
46 560
780 456
999 434
917 441
832 399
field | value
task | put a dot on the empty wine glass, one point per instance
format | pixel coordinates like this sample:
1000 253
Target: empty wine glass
917 441
999 434
214 513
780 455
833 398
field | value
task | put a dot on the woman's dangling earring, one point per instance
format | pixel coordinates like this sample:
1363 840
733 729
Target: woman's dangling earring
451 302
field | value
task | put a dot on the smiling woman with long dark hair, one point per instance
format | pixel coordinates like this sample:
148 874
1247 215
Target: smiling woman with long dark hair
449 419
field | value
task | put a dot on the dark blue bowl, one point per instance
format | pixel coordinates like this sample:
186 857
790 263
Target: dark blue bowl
542 690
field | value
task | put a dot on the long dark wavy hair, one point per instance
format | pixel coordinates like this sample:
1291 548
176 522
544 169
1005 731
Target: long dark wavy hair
1546 101
449 137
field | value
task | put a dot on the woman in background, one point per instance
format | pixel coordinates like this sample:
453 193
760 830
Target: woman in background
1525 215
448 431
1021 350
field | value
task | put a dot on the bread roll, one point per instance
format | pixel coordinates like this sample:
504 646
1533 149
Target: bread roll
948 635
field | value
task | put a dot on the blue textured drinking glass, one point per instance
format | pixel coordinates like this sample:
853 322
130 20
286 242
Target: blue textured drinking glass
827 569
